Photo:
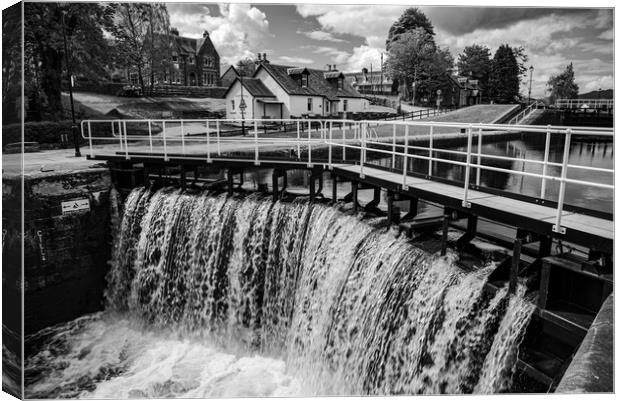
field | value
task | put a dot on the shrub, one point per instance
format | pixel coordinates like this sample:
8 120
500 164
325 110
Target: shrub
43 132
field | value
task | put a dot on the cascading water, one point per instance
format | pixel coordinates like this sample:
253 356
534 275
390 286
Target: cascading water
215 296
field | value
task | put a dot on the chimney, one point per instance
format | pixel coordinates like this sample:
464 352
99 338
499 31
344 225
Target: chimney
329 67
334 68
259 59
174 31
265 57
205 34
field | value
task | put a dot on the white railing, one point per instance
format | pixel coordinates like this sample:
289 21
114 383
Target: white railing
584 103
220 139
526 112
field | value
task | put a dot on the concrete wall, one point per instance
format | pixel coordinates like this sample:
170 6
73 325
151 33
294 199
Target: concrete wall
65 255
592 368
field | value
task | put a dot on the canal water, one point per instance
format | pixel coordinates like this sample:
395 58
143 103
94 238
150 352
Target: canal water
212 296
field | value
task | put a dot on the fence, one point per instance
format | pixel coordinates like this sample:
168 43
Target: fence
389 140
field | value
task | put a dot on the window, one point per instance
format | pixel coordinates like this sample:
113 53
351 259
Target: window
175 58
340 83
232 105
191 60
304 80
206 79
327 106
309 104
209 61
133 78
345 105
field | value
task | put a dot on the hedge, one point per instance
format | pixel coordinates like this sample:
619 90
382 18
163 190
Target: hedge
43 132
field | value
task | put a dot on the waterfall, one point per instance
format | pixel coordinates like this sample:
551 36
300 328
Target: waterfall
346 308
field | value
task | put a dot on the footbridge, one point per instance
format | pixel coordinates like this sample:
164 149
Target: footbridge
448 165
403 157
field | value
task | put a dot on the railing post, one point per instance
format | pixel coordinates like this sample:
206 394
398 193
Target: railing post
543 187
479 156
182 138
120 134
393 146
331 136
309 145
405 159
125 135
558 218
150 137
430 152
466 203
90 141
208 142
362 151
256 162
298 141
163 135
344 142
217 129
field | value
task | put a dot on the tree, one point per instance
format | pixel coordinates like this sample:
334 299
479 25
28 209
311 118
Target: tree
563 86
505 76
434 77
46 26
410 20
11 63
409 57
475 62
246 67
142 37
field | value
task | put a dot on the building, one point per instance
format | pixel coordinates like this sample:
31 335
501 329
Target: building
278 91
229 76
461 92
192 62
372 83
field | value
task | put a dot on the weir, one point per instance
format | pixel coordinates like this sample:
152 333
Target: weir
402 160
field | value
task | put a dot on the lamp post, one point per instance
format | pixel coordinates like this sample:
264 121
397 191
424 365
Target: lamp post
242 106
529 93
74 129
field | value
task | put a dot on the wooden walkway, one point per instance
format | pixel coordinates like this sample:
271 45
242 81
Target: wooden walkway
581 228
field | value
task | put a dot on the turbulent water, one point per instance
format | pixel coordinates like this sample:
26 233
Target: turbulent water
216 296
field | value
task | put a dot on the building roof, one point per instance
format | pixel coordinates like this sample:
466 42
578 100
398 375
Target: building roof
254 86
333 75
317 84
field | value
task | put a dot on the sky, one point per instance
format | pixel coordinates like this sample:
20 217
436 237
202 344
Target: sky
353 36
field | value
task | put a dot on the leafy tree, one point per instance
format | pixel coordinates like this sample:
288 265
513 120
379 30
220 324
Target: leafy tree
410 20
11 62
505 76
246 67
434 76
143 42
46 26
475 62
562 85
410 56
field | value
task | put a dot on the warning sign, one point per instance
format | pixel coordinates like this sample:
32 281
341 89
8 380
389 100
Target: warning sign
75 205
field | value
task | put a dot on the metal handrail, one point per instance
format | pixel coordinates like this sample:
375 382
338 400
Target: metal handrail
354 135
526 112
579 103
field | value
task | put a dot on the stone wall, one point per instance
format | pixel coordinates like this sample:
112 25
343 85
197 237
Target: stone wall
66 252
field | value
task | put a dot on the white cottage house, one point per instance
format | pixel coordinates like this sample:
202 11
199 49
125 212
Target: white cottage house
277 91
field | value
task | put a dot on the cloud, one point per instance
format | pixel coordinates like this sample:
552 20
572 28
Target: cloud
238 32
370 22
295 60
336 56
321 35
607 35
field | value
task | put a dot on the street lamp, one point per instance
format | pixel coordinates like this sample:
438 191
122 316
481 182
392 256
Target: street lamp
74 129
529 93
242 106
